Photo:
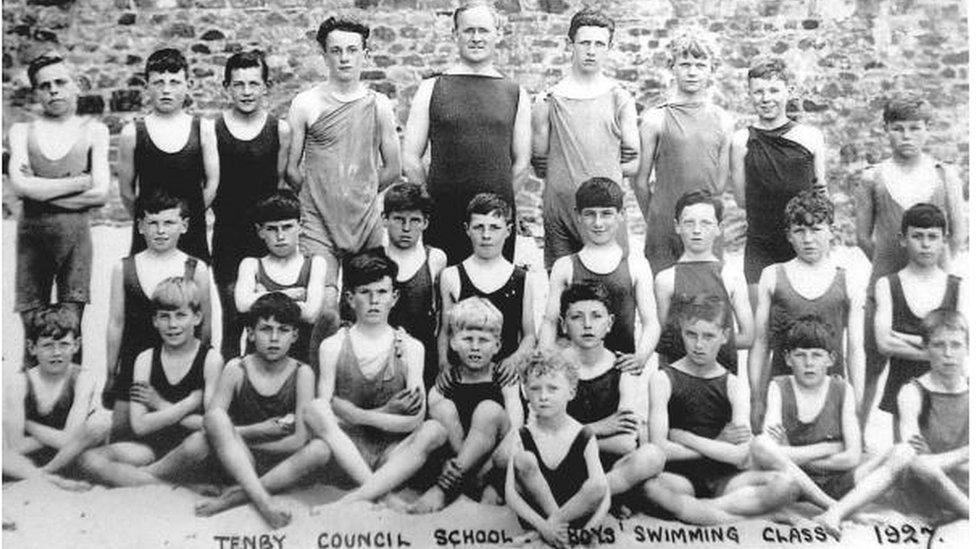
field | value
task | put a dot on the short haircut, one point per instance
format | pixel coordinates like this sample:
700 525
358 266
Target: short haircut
275 306
599 192
404 197
707 307
487 204
809 332
691 43
700 196
281 205
367 267
907 106
924 216
174 293
55 321
159 200
944 319
472 4
341 23
548 362
770 68
167 60
475 313
39 63
808 208
586 290
590 17
246 60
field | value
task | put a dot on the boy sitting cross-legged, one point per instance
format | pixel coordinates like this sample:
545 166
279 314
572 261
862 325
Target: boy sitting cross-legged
254 421
370 407
479 405
49 416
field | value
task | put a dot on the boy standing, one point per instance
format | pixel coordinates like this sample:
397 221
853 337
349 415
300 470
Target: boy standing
49 413
811 283
584 126
905 297
627 277
370 407
345 134
771 162
59 168
170 150
161 220
406 213
698 217
253 150
685 143
284 269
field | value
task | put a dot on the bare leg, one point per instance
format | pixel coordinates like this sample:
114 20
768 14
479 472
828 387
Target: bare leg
118 464
531 484
676 495
189 455
310 458
237 460
769 456
754 493
92 432
446 413
19 466
404 461
941 485
121 428
636 467
584 502
323 422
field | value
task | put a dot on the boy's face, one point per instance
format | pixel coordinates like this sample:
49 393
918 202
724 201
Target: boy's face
809 365
586 323
810 242
281 237
947 350
769 97
175 326
167 91
548 394
692 74
476 347
162 230
697 227
476 34
907 137
53 355
372 302
344 55
590 48
703 339
272 339
246 89
56 89
404 228
924 245
599 224
488 233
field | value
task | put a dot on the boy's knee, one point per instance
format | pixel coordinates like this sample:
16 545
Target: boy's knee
489 412
319 415
92 460
318 450
781 488
764 450
649 460
593 490
98 426
214 421
900 457
431 435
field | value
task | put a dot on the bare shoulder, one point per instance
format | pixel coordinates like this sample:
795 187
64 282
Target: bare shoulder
740 137
639 267
652 118
438 259
664 280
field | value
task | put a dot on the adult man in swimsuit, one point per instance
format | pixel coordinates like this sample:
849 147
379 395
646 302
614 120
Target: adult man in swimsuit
478 125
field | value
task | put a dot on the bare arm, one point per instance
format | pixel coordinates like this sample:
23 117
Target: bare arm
304 392
450 287
284 147
658 421
389 144
759 353
521 140
116 323
558 281
630 139
646 308
819 159
513 495
851 454
855 339
956 205
296 146
26 185
246 290
650 131
15 438
889 342
528 339
864 213
540 136
513 405
415 135
100 173
211 160
737 166
663 291
725 151
311 306
744 319
202 279
145 421
212 367
127 167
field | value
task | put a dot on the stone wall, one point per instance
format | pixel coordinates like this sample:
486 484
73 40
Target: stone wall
845 63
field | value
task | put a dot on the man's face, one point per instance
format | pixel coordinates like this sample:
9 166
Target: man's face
587 323
488 233
476 35
53 355
703 339
404 228
809 365
272 339
769 97
590 48
344 55
281 237
162 230
907 137
175 326
692 74
599 224
947 350
372 302
697 227
246 89
924 245
810 242
167 91
56 89
475 347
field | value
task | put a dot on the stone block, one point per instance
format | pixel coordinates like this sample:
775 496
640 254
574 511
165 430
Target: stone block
132 59
213 34
91 104
128 18
125 100
383 34
810 24
200 48
179 30
373 75
957 58
553 6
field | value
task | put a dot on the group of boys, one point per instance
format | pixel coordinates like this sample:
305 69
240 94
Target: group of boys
436 362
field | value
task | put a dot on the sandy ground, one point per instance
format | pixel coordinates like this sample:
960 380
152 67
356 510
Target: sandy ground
35 514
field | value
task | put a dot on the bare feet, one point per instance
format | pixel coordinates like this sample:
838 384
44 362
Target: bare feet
67 483
526 539
621 512
432 501
830 522
490 496
212 505
204 489
274 514
395 503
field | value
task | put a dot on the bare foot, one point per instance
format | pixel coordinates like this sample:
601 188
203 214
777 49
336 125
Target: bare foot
526 539
205 489
432 501
275 515
621 512
394 503
490 496
830 523
68 484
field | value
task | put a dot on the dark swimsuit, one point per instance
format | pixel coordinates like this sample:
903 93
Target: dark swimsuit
249 406
566 479
169 437
623 302
300 348
508 299
596 399
416 312
56 418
